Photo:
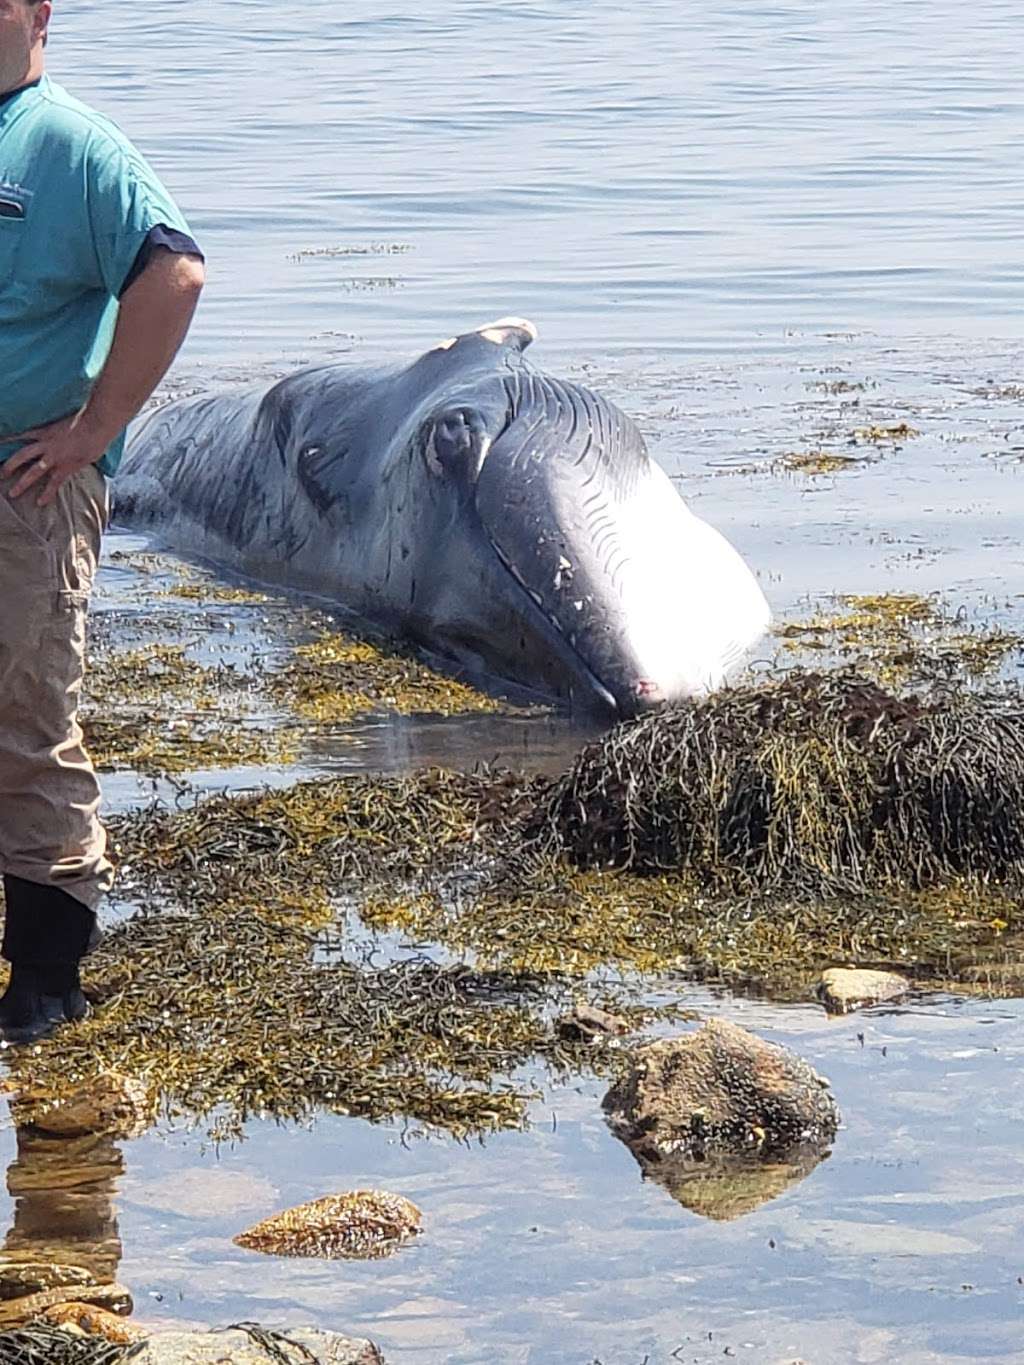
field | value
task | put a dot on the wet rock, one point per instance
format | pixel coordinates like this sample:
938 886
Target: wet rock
121 1106
251 1345
296 1345
844 989
16 1312
722 1119
585 1022
361 1224
93 1322
720 1092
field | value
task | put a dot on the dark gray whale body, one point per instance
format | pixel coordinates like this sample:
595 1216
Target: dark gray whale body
509 522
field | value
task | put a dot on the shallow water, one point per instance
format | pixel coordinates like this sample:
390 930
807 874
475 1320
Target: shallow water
906 1244
711 211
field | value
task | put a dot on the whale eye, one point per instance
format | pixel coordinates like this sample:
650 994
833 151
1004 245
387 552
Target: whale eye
455 444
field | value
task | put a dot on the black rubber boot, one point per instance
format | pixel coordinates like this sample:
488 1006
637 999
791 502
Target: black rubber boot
32 1008
47 932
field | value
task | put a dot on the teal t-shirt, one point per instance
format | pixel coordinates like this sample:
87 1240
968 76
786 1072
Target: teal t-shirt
77 202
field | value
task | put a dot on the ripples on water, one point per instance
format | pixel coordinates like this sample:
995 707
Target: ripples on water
684 176
687 198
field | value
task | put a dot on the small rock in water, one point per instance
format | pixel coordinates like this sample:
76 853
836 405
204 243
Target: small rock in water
362 1224
587 1022
721 1119
844 989
121 1106
720 1092
94 1322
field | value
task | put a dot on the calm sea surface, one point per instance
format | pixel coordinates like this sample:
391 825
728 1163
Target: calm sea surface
759 227
678 176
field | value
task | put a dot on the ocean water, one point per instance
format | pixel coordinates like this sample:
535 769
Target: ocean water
759 227
682 177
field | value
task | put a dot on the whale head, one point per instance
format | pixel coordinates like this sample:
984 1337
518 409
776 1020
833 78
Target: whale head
565 559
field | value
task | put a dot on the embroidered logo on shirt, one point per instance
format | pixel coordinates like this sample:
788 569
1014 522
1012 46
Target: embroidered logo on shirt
14 199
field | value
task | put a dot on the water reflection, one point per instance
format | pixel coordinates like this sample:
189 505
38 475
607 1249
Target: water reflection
63 1194
724 1190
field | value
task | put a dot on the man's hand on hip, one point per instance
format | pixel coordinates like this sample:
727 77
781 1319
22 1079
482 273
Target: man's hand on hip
54 453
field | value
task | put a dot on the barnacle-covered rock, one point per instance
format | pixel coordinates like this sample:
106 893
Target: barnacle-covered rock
720 1092
94 1322
722 1119
362 1224
122 1106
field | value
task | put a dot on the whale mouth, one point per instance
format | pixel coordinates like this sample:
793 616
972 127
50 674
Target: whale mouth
586 691
546 497
644 602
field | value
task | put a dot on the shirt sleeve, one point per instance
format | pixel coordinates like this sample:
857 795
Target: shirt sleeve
159 237
125 203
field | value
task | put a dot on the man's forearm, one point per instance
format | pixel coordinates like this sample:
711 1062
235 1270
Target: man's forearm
154 317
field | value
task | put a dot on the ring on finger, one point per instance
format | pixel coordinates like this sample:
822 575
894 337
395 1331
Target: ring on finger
41 464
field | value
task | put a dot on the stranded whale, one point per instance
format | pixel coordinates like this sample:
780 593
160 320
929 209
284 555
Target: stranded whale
507 521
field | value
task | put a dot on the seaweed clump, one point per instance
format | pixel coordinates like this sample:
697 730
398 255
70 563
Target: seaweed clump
153 709
816 462
819 785
43 1344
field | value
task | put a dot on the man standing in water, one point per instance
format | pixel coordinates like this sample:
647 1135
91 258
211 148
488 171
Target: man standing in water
99 279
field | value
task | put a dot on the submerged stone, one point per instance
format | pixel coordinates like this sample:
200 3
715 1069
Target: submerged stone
720 1093
584 1023
843 989
361 1224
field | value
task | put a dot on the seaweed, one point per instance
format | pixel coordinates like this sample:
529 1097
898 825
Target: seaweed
39 1344
818 785
878 433
816 462
337 677
231 994
158 706
900 639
